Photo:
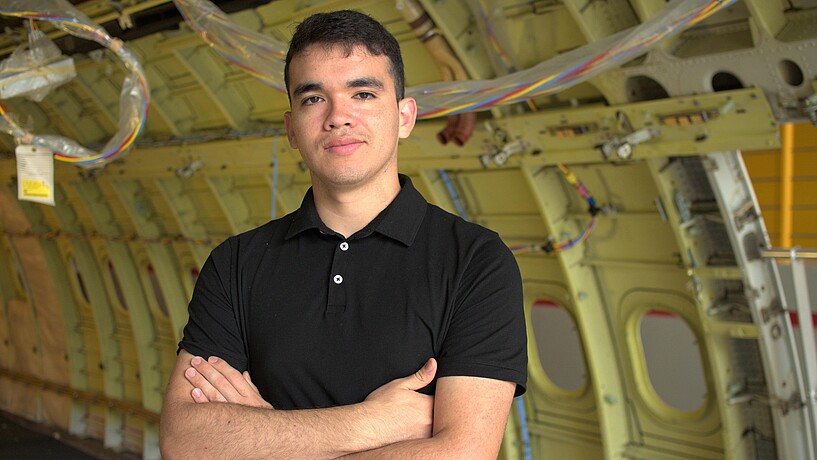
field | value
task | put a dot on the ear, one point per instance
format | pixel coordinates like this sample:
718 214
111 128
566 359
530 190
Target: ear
293 142
408 116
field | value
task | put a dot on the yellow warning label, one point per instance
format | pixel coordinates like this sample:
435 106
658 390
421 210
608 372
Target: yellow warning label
35 188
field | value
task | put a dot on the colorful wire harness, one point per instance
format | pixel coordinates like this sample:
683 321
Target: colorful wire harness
592 209
133 99
261 56
565 70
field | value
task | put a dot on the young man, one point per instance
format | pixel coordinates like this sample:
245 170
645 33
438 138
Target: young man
332 309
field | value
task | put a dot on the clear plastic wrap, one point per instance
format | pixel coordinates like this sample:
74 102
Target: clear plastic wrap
490 20
262 57
62 14
257 54
133 98
565 70
34 70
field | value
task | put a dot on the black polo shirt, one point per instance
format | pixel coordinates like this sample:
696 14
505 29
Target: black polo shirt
319 320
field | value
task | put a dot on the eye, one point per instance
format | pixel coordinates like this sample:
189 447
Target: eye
311 100
365 96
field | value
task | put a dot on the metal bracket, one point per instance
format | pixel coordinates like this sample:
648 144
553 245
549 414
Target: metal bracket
737 394
793 403
189 168
622 147
747 213
772 311
500 155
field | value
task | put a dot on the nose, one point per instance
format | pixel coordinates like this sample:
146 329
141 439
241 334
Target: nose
338 116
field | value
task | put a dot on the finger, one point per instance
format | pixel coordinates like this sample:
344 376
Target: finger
238 382
422 377
210 393
198 396
246 375
217 385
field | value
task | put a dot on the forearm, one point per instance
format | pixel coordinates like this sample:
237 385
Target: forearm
414 449
225 430
437 447
470 416
243 425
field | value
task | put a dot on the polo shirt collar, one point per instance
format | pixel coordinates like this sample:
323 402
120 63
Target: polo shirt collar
400 220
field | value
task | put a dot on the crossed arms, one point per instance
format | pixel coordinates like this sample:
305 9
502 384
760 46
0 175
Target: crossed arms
213 411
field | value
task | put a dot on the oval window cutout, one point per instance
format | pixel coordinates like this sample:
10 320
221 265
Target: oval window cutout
791 72
559 344
725 81
673 360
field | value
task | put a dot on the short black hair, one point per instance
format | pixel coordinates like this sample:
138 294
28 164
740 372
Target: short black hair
348 28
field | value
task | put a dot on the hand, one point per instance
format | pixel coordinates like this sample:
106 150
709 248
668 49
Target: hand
403 411
216 381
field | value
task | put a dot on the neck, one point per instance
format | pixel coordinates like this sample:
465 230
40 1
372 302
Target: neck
347 210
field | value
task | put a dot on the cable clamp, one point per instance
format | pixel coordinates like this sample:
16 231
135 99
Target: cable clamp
622 147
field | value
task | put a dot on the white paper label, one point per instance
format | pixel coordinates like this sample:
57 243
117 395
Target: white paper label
35 174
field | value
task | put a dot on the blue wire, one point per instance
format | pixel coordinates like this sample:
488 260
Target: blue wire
454 197
523 426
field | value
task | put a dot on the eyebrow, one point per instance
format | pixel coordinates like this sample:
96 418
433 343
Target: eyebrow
363 82
306 87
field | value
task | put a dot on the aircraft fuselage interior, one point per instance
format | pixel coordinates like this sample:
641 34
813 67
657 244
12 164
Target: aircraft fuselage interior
651 164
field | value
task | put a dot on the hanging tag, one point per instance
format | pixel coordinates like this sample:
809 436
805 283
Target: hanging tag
35 174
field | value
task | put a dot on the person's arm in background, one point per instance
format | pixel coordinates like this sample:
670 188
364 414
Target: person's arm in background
240 424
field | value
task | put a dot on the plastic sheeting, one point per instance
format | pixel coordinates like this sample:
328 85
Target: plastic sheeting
260 56
133 98
34 70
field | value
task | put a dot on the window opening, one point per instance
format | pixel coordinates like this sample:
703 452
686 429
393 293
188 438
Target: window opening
559 345
673 360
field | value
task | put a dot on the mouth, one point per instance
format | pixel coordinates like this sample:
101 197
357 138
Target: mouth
343 145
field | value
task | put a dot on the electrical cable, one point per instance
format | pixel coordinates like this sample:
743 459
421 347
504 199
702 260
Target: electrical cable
453 193
593 210
568 69
494 34
259 55
263 56
523 427
133 98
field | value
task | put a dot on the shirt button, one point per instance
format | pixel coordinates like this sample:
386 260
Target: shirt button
344 246
337 279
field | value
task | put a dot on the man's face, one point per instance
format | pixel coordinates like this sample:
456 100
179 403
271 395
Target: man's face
345 120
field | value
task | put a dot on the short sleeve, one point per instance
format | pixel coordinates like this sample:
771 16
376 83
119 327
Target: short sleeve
487 336
213 327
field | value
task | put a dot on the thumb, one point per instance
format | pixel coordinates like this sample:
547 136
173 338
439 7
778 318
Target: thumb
422 377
